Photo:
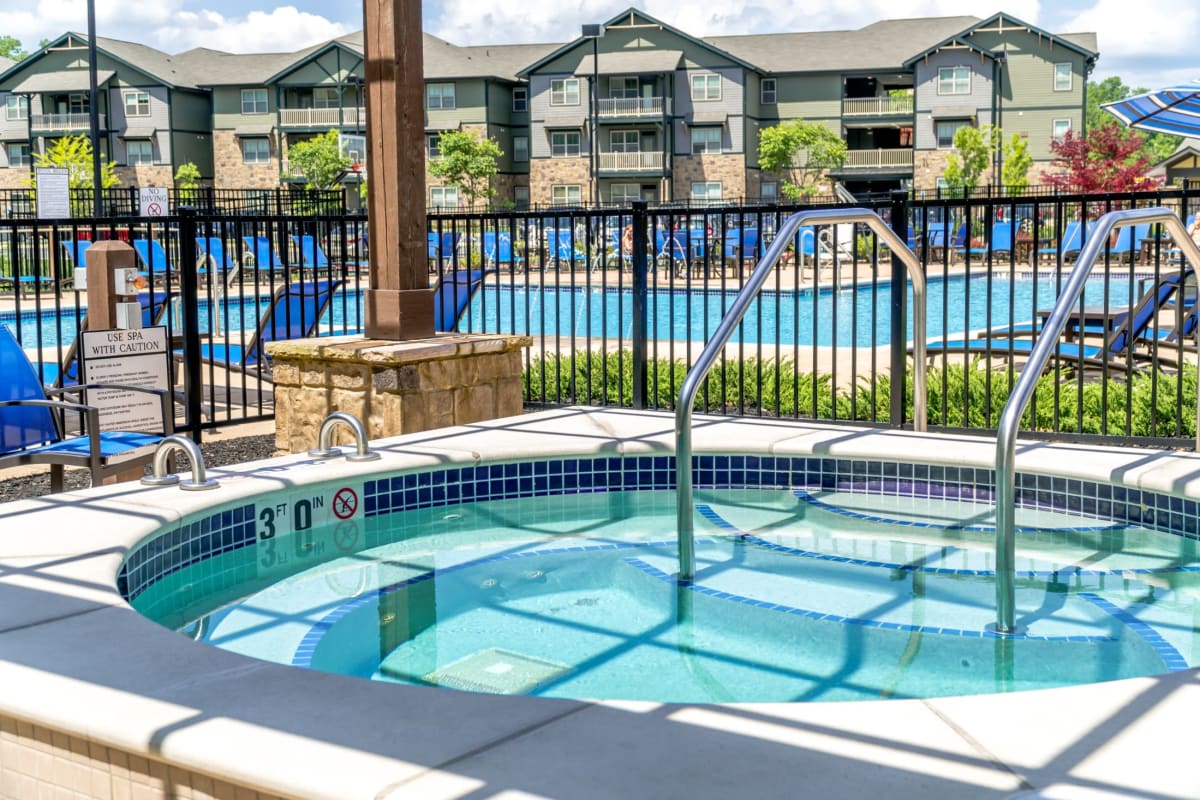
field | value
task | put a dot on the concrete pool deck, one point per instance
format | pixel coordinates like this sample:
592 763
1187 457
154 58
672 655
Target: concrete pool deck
101 702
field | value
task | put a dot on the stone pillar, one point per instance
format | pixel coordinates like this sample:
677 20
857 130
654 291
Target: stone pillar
398 304
393 387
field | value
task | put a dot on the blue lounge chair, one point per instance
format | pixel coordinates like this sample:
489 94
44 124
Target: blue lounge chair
311 255
264 254
1127 242
154 258
1116 352
295 311
453 294
1068 247
562 248
442 248
498 251
741 244
211 254
1001 243
32 422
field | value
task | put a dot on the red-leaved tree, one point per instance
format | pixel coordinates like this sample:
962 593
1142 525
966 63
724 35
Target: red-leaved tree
1109 159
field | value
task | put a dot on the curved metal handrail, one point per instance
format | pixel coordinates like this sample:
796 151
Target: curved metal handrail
696 375
325 448
159 475
1010 417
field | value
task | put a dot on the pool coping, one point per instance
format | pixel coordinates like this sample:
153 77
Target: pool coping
75 658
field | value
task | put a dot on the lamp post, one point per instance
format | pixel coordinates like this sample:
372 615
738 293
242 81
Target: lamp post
93 107
594 32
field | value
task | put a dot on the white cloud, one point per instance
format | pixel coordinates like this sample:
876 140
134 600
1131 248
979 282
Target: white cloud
1151 46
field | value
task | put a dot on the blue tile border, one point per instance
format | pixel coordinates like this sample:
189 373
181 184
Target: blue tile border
1172 659
214 533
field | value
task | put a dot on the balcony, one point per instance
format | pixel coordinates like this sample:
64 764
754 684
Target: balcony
631 108
630 162
898 159
877 106
53 123
322 117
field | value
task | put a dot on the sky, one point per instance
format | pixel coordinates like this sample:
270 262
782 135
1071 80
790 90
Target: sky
1146 43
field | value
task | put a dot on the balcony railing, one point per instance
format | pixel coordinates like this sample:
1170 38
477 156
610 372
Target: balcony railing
64 122
631 107
877 106
879 159
322 117
631 162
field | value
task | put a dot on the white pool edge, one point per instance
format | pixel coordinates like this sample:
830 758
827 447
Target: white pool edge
75 658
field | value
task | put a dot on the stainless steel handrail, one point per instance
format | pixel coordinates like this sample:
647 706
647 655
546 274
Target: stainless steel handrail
325 448
696 375
158 472
1010 417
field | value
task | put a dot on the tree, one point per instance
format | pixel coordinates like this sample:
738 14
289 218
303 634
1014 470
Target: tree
468 162
75 153
800 152
1158 146
1109 159
10 47
187 180
319 160
973 148
1016 162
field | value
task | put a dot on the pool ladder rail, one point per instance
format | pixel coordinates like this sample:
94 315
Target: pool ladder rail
1047 341
159 475
325 448
741 304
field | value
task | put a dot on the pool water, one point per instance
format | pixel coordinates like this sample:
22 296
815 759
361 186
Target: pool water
799 596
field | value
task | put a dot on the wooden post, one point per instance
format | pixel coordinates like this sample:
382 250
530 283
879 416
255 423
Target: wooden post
398 304
101 259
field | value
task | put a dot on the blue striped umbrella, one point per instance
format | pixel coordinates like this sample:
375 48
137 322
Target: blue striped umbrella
1174 110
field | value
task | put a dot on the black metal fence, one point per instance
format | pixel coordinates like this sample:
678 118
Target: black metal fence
125 201
618 303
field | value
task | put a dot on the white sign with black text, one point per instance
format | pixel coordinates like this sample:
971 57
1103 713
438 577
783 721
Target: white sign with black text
152 201
53 192
131 358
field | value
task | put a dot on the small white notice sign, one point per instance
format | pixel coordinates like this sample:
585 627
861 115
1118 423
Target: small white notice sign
53 192
152 201
132 358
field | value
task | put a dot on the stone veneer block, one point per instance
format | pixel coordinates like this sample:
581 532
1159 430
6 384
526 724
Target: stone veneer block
393 387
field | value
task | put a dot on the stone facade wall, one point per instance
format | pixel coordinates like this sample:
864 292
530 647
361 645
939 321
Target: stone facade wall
146 175
395 387
232 173
546 173
14 178
729 169
36 761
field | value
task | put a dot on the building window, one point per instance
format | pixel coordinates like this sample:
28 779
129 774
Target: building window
706 87
520 148
326 97
768 192
1062 77
254 101
140 151
19 155
622 87
137 104
767 92
624 193
624 141
440 95
564 92
520 100
945 129
443 196
521 197
77 104
563 195
256 150
1061 128
564 144
706 140
954 80
16 107
706 192
433 145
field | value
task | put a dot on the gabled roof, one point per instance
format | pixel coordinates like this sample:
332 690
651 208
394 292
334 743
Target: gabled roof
633 14
216 68
314 53
1077 41
881 45
1187 147
503 61
154 63
5 64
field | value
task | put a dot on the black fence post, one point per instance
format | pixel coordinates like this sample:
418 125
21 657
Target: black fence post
899 364
193 388
640 248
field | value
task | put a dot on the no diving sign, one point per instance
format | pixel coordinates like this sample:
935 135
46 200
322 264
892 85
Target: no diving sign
153 201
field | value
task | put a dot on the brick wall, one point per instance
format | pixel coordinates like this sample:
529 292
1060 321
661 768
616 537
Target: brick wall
730 170
545 173
146 175
232 173
14 178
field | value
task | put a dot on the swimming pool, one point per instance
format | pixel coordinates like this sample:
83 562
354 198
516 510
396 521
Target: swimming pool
93 668
820 580
827 318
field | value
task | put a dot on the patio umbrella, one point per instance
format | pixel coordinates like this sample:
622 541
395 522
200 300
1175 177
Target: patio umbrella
1174 110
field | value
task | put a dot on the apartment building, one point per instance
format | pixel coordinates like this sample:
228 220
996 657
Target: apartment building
634 109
